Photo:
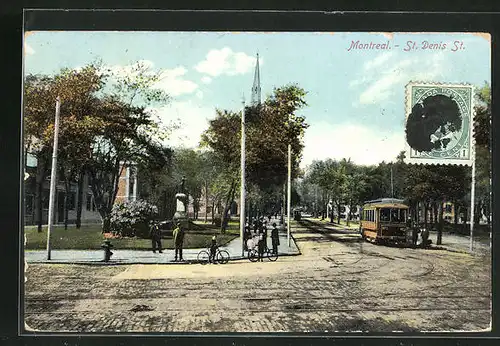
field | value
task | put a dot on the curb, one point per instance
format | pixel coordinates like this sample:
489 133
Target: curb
117 263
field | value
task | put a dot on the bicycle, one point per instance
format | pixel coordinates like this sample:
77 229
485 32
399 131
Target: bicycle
253 254
221 256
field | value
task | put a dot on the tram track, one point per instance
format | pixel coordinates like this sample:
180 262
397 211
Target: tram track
333 285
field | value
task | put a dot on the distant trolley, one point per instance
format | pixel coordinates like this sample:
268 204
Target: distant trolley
384 220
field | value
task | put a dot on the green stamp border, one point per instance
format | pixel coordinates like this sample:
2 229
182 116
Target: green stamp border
414 92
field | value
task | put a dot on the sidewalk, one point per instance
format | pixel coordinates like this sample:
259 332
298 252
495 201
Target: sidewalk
148 257
461 243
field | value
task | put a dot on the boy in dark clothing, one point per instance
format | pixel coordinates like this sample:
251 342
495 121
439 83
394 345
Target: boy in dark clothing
213 249
246 235
261 246
275 238
178 236
155 235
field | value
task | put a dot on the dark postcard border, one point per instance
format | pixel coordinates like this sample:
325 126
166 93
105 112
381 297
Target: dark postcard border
258 21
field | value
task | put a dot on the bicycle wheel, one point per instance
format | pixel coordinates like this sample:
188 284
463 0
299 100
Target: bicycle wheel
272 256
253 256
203 256
223 256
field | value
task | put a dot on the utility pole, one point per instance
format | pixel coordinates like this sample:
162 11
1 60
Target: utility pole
289 192
392 184
472 198
242 185
53 177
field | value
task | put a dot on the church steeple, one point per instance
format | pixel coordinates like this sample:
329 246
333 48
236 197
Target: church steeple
256 85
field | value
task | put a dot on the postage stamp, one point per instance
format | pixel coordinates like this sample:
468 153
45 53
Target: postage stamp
439 123
256 182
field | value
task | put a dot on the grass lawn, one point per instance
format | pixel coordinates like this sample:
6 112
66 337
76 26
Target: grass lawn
90 237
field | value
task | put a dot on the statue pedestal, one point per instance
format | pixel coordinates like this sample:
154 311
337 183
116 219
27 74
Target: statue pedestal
181 213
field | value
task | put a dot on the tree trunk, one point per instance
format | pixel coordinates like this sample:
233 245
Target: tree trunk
465 219
338 213
227 207
455 215
41 173
477 213
426 209
440 225
79 199
206 201
213 212
436 213
348 215
488 216
67 189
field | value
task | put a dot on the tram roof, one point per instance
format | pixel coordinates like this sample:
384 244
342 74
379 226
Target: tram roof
387 202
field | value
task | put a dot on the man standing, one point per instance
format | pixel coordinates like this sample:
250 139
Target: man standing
155 235
178 235
275 238
261 245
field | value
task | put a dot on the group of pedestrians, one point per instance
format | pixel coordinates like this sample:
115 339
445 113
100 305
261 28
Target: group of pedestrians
178 236
255 235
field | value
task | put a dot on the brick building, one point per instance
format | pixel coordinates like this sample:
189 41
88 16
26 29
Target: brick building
127 190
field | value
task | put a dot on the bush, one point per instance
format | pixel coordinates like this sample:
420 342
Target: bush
131 218
217 220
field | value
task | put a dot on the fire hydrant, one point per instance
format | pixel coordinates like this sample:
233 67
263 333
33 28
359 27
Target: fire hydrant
107 250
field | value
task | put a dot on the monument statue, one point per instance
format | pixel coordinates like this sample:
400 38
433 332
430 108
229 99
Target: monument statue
181 204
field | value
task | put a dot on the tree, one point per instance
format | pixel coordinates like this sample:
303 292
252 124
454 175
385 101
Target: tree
102 129
77 91
267 142
128 132
482 136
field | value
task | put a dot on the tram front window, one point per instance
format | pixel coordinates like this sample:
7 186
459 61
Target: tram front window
385 214
396 215
392 215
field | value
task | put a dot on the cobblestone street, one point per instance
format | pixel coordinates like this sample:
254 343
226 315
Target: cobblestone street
339 283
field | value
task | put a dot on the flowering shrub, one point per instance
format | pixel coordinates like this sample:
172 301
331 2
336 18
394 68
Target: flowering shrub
131 218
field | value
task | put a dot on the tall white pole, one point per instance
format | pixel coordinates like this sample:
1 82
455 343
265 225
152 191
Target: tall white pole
289 192
53 177
242 185
472 197
392 184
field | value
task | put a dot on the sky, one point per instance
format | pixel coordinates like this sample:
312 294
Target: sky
355 92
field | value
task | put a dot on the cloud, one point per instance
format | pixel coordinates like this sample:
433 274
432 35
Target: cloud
173 83
192 119
388 73
171 80
225 61
206 80
363 144
28 50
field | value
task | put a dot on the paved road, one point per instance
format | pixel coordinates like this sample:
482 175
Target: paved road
338 284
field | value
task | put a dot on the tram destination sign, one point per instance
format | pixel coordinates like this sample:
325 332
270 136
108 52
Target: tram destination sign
439 119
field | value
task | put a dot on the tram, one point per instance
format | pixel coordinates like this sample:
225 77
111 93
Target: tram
384 220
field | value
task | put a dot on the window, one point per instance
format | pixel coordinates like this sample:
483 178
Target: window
385 215
448 208
131 182
395 215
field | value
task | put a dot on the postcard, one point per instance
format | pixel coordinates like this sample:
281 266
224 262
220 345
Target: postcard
256 182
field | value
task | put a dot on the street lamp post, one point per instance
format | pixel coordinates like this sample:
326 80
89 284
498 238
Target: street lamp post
289 192
53 176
